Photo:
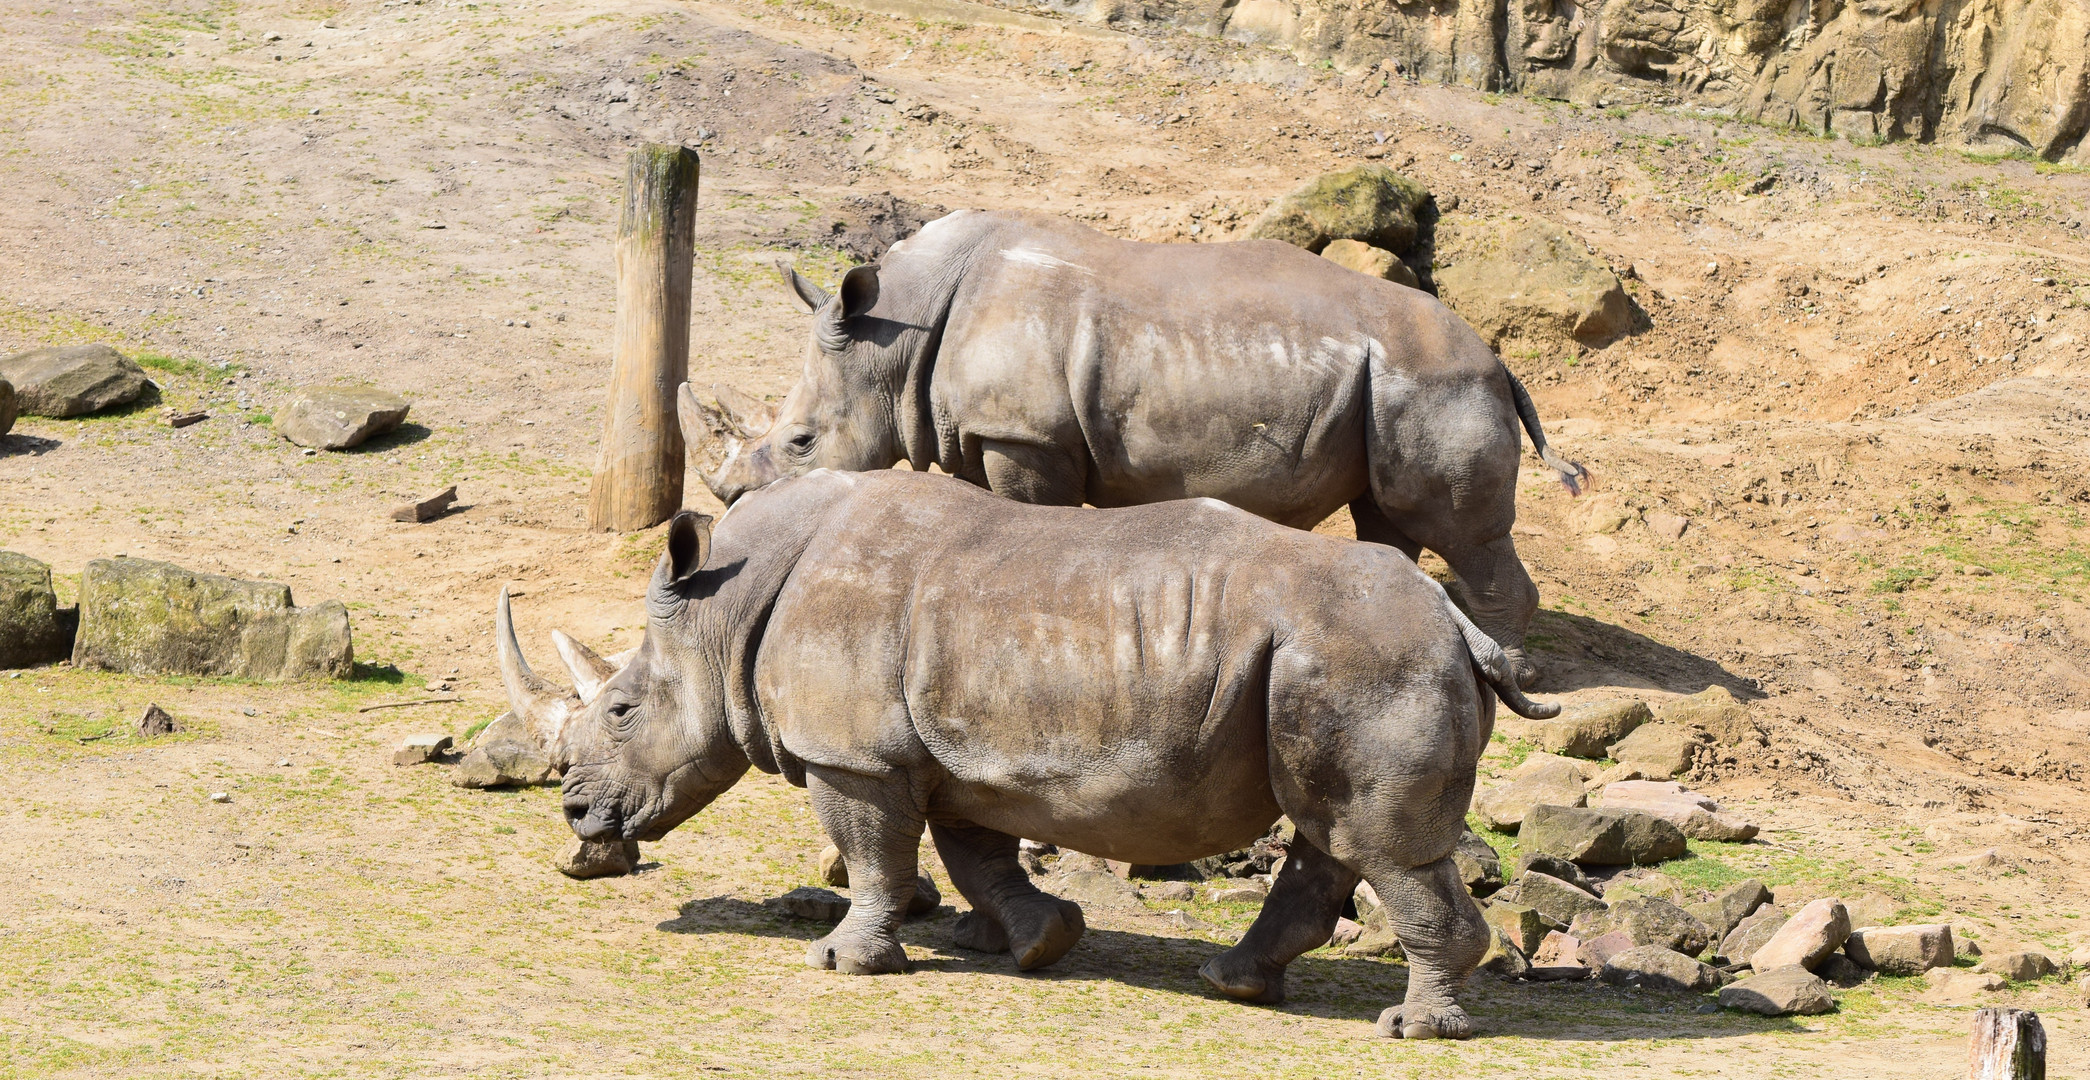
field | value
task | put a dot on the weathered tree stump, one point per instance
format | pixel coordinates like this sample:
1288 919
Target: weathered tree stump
2009 1044
638 475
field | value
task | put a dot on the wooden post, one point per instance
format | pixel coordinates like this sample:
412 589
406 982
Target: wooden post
638 474
2009 1044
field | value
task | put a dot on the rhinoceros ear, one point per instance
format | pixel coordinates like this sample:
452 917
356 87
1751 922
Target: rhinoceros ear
812 296
859 290
689 544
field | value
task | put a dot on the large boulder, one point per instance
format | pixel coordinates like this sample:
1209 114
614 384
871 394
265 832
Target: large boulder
1656 750
1589 729
505 754
1655 968
1371 203
339 417
1542 778
1752 933
1807 938
10 407
33 628
1900 950
1726 910
1599 837
155 618
1370 261
1555 866
1714 711
2018 966
1696 816
1556 900
72 380
1524 279
1646 921
1785 991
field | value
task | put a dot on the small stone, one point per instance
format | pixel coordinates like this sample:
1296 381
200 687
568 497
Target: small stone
1599 837
1807 938
1378 940
2019 966
1840 970
1785 991
598 858
339 417
1519 924
811 904
1504 958
1346 930
1369 261
157 721
186 419
1727 910
1665 525
1900 950
1659 969
833 871
72 380
1183 920
428 508
1645 920
1172 892
505 754
1556 867
1479 866
1601 948
220 796
1557 959
1587 730
1752 933
1244 892
2082 991
420 749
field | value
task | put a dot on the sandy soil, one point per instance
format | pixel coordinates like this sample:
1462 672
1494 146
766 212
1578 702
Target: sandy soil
1863 382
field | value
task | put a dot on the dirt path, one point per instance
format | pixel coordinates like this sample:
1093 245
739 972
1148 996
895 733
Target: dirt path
1863 383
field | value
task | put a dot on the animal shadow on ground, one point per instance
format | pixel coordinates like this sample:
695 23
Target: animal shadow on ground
15 445
403 435
1575 652
1328 987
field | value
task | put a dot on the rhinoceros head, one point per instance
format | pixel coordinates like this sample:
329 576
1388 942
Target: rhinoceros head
841 413
646 750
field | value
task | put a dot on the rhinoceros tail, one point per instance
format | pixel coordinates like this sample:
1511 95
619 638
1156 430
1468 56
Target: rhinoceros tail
1493 664
1571 473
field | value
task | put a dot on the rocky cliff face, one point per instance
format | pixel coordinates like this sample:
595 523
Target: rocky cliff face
1995 74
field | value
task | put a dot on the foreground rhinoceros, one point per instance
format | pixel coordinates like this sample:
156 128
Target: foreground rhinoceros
1152 684
1054 364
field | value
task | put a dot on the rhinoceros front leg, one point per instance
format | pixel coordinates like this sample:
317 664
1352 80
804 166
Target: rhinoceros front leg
1008 912
1298 915
1442 932
875 824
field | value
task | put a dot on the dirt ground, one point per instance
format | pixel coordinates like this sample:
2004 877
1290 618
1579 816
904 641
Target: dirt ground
1862 379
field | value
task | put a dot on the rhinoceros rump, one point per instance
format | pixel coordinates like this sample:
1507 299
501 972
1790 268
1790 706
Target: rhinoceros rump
1056 365
1151 685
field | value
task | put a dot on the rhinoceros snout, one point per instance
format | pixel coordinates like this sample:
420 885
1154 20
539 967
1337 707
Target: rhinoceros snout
590 823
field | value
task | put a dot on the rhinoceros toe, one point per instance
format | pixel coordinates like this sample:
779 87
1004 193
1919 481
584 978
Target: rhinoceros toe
1446 1023
854 952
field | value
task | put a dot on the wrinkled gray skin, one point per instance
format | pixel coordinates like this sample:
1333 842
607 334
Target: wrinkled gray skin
1056 365
1152 684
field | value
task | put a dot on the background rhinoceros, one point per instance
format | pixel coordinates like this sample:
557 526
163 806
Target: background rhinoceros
1153 685
1054 364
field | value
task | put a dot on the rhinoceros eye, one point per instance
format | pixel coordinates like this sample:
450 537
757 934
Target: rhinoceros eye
622 715
801 442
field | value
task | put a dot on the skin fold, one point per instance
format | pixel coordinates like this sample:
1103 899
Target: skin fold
1152 684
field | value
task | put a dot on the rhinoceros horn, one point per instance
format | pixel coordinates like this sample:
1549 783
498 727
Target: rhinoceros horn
590 670
542 706
750 416
703 426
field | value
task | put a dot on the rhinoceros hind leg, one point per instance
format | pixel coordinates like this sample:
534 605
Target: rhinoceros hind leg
1299 915
1444 936
1034 927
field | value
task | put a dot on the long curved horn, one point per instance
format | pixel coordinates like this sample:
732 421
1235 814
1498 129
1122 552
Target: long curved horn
590 670
542 706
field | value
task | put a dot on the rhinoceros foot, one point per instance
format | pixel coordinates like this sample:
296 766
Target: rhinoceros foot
858 950
1240 974
979 932
1450 1022
1042 931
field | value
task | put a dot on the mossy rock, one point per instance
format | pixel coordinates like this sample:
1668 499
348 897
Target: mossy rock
33 628
72 380
155 618
1370 203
